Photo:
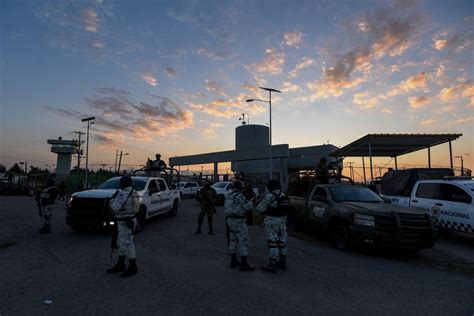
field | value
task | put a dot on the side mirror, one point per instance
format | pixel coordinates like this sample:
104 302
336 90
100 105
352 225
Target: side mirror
386 200
320 198
153 190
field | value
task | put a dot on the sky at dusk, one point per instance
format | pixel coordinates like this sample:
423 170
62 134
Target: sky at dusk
172 76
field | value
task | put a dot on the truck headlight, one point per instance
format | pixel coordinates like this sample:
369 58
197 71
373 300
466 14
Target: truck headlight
364 220
69 201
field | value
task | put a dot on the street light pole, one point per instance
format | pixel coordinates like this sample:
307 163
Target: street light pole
270 90
89 123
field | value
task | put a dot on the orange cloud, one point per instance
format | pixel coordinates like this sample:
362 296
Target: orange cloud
364 101
418 81
456 92
304 64
418 102
227 108
465 120
150 79
292 39
273 63
428 121
91 20
290 87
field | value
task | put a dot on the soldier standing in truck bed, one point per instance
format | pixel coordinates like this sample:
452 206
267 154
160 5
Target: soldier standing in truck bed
322 171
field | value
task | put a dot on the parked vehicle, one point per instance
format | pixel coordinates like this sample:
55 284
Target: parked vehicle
223 189
352 214
90 208
189 189
448 201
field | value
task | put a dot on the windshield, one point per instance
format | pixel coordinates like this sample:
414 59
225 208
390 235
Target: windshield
219 185
114 183
470 186
354 194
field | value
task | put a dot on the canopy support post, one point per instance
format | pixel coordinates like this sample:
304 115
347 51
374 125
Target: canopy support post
363 168
396 164
371 168
451 155
429 157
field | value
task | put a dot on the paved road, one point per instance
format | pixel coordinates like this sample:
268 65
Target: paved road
184 274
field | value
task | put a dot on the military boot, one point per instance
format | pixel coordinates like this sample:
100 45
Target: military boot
234 263
132 268
244 265
45 230
282 263
119 266
271 267
198 231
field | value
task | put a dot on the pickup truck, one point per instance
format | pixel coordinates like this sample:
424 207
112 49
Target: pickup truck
353 214
450 202
189 189
90 208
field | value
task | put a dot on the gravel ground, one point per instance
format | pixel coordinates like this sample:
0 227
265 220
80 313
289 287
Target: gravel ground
184 274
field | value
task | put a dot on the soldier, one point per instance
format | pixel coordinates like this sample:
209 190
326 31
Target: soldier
274 206
125 205
236 206
206 197
47 199
322 171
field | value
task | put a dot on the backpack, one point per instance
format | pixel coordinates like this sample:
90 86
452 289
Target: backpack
283 203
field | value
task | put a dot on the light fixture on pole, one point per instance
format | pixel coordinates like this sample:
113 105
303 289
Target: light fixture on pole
120 160
269 101
462 164
89 123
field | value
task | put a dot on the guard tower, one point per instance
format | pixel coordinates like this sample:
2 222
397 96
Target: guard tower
64 149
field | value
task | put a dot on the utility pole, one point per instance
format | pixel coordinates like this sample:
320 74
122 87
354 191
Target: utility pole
79 152
116 156
88 120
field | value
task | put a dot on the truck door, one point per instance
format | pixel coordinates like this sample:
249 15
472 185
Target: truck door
155 199
165 196
194 188
454 210
317 208
425 195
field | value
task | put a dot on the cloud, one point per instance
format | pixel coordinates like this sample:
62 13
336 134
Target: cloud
455 42
457 91
293 39
272 64
465 120
150 79
290 87
97 45
304 64
365 101
214 87
91 20
428 121
232 107
418 102
171 72
210 132
214 55
418 81
386 111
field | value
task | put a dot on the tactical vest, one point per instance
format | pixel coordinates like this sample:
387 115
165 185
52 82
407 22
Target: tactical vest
282 206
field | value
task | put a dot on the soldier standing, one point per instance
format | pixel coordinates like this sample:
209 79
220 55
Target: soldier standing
206 197
236 206
322 171
274 206
47 199
125 204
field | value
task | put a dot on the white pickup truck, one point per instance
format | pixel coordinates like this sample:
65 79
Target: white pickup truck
90 208
189 189
448 201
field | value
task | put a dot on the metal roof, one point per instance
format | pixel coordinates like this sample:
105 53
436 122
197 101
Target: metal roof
392 145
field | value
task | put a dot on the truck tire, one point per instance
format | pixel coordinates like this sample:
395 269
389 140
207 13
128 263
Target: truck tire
341 235
141 218
174 210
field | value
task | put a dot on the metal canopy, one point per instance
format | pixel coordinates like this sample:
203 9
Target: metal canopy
392 145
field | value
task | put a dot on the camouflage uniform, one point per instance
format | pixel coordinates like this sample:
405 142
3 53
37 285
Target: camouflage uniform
205 197
236 206
275 226
47 199
125 206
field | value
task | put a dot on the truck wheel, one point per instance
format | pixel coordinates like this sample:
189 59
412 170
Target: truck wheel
141 218
174 210
341 236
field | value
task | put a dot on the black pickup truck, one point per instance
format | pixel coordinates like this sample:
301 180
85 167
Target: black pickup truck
353 214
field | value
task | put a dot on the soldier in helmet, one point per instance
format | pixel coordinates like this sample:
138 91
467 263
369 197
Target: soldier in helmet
206 197
125 205
322 171
161 164
46 201
236 207
275 206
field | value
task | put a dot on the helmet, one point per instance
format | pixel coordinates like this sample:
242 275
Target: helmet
50 183
125 182
238 185
273 185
